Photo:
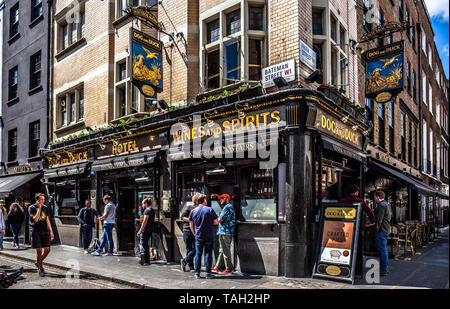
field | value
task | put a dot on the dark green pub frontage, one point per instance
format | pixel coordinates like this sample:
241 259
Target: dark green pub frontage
317 144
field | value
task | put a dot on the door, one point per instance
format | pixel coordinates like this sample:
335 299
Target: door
126 217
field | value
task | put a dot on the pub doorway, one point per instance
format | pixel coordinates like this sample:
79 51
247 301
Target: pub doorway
126 215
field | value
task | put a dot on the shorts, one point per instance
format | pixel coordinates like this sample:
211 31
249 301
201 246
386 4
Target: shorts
40 239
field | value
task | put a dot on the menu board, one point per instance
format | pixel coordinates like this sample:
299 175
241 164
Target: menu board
338 245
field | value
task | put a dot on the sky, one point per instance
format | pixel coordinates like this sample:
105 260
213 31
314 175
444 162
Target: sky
439 13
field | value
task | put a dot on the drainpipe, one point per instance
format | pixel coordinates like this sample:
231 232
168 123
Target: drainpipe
49 73
419 32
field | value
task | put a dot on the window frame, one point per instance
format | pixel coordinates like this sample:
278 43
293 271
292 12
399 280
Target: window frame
34 139
12 147
35 74
13 88
36 6
14 26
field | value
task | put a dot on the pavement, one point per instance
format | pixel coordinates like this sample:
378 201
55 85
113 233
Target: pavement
428 269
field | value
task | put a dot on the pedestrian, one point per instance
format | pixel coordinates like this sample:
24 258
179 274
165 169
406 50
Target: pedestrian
16 216
87 217
188 237
109 217
352 196
40 230
145 232
2 225
226 231
382 226
201 221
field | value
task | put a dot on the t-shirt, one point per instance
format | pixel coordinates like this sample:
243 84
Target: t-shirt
111 209
41 224
203 218
227 226
151 219
186 225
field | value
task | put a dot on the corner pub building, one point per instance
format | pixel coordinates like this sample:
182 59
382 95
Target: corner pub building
317 143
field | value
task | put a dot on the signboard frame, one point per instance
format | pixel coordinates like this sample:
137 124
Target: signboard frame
307 52
283 66
339 270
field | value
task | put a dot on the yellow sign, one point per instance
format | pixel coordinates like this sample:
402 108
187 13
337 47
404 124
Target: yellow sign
124 147
339 130
333 270
71 158
340 213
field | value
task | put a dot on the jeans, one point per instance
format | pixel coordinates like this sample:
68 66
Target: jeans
224 258
189 241
15 228
107 236
380 240
199 246
1 239
86 236
144 247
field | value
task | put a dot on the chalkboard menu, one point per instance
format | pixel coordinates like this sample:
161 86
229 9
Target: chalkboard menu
338 241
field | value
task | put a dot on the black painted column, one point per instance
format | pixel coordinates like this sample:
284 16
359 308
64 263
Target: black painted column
299 205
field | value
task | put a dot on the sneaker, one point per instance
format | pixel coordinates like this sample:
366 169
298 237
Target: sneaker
146 264
108 254
215 270
209 276
197 276
183 265
226 271
41 273
96 253
86 251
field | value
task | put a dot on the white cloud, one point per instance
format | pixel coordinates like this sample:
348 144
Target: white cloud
438 8
445 50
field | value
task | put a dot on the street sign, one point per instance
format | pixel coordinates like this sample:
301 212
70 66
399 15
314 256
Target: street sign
307 56
285 69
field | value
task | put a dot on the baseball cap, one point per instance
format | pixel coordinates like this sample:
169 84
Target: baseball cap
224 196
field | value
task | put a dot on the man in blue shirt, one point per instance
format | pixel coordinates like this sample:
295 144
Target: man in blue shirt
201 221
227 224
87 217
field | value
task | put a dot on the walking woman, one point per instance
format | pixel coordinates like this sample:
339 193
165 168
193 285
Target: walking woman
16 217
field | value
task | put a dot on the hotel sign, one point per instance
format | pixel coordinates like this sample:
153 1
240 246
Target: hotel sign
384 71
138 144
338 130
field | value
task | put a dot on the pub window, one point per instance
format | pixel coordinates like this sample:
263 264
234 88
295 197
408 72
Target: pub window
13 83
82 21
35 70
65 36
317 19
424 147
234 22
232 68
63 109
391 127
414 87
380 22
334 77
122 70
255 59
342 38
12 145
424 88
318 48
134 100
415 145
256 18
122 94
381 126
34 138
408 23
14 20
212 31
367 15
72 106
36 9
369 114
413 37
123 4
333 24
400 10
81 104
430 98
73 32
403 134
410 131
212 69
408 76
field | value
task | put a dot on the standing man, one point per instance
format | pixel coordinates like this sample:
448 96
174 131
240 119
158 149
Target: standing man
226 231
353 197
188 237
109 216
41 232
201 223
145 232
87 218
383 215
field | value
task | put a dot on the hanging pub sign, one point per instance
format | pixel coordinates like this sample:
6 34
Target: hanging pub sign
338 241
146 63
144 14
384 71
384 30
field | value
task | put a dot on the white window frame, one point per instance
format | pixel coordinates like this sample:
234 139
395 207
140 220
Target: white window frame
66 97
128 90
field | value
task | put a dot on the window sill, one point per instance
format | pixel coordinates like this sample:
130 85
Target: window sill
12 163
120 20
70 126
13 38
36 21
12 101
35 90
34 159
71 48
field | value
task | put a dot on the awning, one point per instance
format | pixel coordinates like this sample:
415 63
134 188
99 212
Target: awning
437 192
330 144
65 171
420 186
10 183
124 162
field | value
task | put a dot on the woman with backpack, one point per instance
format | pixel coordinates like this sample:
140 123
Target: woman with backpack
16 217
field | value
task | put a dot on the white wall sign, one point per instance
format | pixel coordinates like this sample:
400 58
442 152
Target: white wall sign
284 69
307 56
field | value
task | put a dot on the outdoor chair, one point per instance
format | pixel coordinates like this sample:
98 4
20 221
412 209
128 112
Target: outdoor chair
406 238
393 238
